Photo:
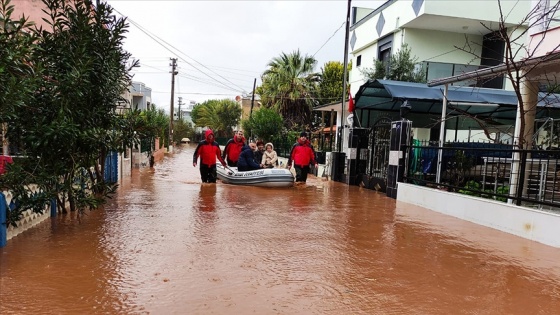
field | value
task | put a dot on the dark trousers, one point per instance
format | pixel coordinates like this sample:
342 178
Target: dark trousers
208 173
301 173
231 163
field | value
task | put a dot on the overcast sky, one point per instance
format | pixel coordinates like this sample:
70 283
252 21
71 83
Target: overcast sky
222 46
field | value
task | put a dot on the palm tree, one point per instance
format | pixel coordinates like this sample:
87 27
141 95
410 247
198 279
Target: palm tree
290 86
219 115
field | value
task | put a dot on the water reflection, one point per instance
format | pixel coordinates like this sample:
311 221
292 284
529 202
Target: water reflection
169 244
206 198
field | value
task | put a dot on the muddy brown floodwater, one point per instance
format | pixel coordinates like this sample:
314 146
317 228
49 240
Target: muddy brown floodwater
167 244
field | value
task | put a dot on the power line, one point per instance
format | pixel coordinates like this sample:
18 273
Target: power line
205 82
165 71
329 38
194 93
176 54
153 37
209 66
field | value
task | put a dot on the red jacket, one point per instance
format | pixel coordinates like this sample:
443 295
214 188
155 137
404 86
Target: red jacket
208 151
302 154
233 148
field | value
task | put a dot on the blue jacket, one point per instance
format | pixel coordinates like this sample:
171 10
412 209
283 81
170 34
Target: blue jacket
246 160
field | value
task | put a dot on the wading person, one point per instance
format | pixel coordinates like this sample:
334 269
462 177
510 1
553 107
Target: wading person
209 151
233 148
302 155
246 160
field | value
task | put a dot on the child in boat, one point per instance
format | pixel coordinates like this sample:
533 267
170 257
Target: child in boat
270 158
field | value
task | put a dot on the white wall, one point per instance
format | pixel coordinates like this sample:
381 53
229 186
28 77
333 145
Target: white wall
536 225
440 46
484 10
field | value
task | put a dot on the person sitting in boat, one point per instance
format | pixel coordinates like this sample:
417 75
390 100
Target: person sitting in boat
260 151
209 151
270 158
233 148
246 161
302 155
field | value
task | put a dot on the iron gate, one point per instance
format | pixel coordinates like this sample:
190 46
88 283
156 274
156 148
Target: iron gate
378 145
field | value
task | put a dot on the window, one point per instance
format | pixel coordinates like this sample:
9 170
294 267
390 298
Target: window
358 60
384 46
438 70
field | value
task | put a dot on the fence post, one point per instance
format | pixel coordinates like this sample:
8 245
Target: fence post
3 221
53 208
521 177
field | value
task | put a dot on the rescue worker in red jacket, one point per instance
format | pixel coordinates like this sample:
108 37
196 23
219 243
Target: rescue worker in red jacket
302 155
209 151
233 148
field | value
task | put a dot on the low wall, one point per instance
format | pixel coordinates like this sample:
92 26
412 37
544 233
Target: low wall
29 219
536 225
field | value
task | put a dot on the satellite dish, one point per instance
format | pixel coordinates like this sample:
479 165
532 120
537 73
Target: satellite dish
238 98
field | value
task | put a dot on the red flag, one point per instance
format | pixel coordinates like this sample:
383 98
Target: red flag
350 103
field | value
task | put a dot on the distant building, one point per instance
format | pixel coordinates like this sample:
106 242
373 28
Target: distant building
184 111
247 105
141 96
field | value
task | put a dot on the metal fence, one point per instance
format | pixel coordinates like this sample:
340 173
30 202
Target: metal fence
495 171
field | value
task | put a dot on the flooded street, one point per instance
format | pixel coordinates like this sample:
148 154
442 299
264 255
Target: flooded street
166 244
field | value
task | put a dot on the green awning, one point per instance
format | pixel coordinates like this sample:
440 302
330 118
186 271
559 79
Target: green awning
483 103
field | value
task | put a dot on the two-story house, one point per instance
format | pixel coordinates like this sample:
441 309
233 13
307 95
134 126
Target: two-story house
447 38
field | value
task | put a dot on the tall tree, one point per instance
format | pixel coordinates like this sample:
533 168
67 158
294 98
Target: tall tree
149 124
331 84
18 81
290 86
219 115
71 123
265 123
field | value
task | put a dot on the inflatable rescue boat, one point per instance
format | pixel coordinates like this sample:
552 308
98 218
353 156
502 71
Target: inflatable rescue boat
267 177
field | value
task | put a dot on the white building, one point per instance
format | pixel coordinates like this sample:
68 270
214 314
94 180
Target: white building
141 95
447 37
184 111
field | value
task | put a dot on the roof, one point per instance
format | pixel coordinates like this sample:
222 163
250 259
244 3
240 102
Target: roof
331 106
387 95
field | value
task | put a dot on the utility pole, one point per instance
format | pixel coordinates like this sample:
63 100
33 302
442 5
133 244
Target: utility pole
344 89
180 103
253 98
173 74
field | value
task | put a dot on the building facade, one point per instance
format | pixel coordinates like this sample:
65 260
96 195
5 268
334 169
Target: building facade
141 96
184 111
247 106
446 37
